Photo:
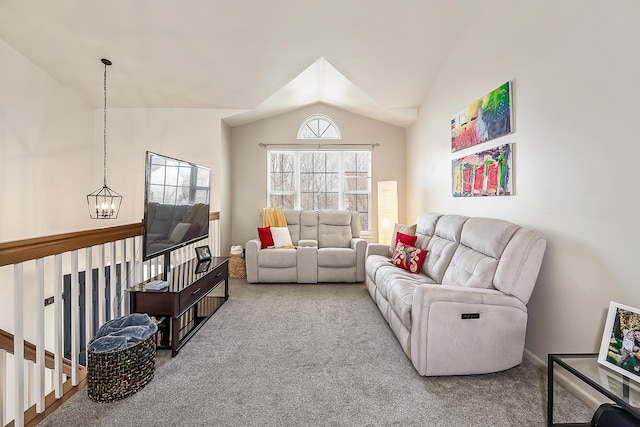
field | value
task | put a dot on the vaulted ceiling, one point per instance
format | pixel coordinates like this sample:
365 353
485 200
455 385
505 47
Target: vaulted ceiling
260 57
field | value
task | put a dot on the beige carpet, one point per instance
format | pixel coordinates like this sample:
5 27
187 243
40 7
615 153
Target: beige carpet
301 355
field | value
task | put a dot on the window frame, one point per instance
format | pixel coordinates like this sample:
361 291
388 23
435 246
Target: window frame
317 116
342 192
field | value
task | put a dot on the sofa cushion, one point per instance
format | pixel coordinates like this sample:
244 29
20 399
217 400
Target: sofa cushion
292 217
440 253
277 258
373 263
397 287
426 223
450 227
334 229
470 268
309 225
336 257
387 275
401 298
488 236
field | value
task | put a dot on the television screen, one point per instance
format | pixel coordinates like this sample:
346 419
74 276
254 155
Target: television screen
176 207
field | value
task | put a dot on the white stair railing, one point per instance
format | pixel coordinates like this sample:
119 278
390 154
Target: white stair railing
29 376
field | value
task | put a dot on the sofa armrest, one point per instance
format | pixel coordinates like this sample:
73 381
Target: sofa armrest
378 249
486 320
360 246
251 257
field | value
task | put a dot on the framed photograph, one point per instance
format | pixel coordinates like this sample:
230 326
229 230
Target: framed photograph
203 253
203 266
620 347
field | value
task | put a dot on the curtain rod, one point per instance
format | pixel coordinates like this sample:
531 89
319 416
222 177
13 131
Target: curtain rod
318 146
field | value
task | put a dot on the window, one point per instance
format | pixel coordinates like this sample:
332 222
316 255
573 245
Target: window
316 180
319 126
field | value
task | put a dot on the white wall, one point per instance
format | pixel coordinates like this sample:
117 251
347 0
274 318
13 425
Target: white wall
194 135
249 161
574 68
46 136
51 148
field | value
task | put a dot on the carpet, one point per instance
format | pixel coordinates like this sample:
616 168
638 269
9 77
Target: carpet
322 355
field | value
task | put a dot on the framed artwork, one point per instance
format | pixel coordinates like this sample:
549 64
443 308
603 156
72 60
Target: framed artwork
620 347
487 173
487 118
203 253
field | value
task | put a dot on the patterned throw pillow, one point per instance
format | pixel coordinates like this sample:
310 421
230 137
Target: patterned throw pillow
406 239
408 257
409 229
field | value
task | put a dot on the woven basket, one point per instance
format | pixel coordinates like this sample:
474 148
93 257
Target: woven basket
114 375
237 267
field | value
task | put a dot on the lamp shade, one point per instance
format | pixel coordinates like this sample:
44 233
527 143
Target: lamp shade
387 209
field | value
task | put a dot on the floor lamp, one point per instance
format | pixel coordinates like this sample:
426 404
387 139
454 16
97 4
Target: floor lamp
387 209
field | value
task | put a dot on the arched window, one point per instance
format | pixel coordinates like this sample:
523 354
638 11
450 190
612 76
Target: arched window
319 126
323 177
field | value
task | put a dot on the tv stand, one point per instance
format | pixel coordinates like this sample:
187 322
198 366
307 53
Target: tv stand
188 302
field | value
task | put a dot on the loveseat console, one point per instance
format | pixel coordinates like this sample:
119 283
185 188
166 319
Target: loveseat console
187 303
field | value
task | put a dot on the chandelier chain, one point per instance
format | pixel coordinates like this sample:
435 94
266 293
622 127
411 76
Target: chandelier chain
104 134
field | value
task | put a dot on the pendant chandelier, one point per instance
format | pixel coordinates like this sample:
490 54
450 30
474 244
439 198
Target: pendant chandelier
104 203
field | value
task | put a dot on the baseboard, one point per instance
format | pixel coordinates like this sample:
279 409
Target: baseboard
577 388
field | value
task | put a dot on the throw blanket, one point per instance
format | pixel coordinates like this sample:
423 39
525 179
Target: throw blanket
273 217
124 332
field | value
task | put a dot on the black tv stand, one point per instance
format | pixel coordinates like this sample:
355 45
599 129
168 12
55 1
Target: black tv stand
189 301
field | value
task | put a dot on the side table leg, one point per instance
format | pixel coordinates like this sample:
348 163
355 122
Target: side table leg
175 335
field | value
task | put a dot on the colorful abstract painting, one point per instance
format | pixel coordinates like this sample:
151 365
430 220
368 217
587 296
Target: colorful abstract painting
487 173
487 118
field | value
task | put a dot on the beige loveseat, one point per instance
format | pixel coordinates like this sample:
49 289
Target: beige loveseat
328 249
465 312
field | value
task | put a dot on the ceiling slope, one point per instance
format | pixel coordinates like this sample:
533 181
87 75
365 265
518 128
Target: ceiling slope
372 57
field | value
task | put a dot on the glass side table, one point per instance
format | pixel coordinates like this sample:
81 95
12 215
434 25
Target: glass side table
585 367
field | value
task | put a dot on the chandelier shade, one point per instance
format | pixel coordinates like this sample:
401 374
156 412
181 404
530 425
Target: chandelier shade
104 203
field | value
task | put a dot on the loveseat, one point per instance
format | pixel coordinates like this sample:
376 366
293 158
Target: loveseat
465 311
328 248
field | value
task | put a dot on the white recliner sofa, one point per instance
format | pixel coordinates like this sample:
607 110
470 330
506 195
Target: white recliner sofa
465 312
328 249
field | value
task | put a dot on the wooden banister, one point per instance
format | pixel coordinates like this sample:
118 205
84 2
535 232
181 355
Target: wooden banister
40 247
6 343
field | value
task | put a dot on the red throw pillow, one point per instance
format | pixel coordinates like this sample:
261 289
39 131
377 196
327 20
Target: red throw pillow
406 239
264 233
408 257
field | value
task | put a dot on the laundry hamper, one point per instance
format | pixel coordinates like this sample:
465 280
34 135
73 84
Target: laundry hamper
116 368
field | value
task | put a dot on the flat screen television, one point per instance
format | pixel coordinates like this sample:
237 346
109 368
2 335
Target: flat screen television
176 204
